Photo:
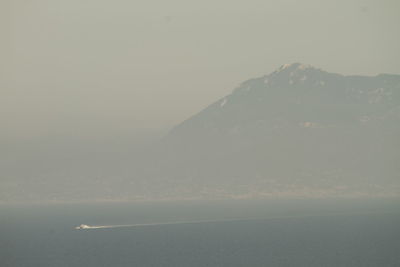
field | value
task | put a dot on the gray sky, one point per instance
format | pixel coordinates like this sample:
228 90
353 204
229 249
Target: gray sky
109 68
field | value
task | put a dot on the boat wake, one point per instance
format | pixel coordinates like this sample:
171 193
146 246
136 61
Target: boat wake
90 227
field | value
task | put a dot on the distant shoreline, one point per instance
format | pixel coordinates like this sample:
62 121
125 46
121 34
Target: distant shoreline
179 200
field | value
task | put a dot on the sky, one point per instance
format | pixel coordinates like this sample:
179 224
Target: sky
106 69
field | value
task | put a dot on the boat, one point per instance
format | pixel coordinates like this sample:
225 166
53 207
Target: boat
82 226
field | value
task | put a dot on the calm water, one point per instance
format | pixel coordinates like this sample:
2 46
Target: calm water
276 233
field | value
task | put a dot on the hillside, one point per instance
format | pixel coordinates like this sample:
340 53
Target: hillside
299 131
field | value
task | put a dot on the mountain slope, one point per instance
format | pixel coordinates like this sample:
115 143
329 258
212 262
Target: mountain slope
300 95
298 131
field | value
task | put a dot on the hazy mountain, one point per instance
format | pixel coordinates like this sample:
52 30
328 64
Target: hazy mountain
302 96
297 131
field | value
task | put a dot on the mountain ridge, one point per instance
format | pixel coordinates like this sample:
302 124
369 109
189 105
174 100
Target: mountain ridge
309 82
295 128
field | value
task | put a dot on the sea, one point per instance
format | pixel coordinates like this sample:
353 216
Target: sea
330 232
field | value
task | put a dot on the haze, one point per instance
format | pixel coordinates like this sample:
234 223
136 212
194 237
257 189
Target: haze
84 83
101 68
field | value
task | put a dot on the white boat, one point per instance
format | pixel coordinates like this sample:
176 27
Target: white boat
82 226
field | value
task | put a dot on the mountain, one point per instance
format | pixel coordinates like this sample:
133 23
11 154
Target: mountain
298 131
299 95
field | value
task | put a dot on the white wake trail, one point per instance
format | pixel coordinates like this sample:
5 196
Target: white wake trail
89 227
